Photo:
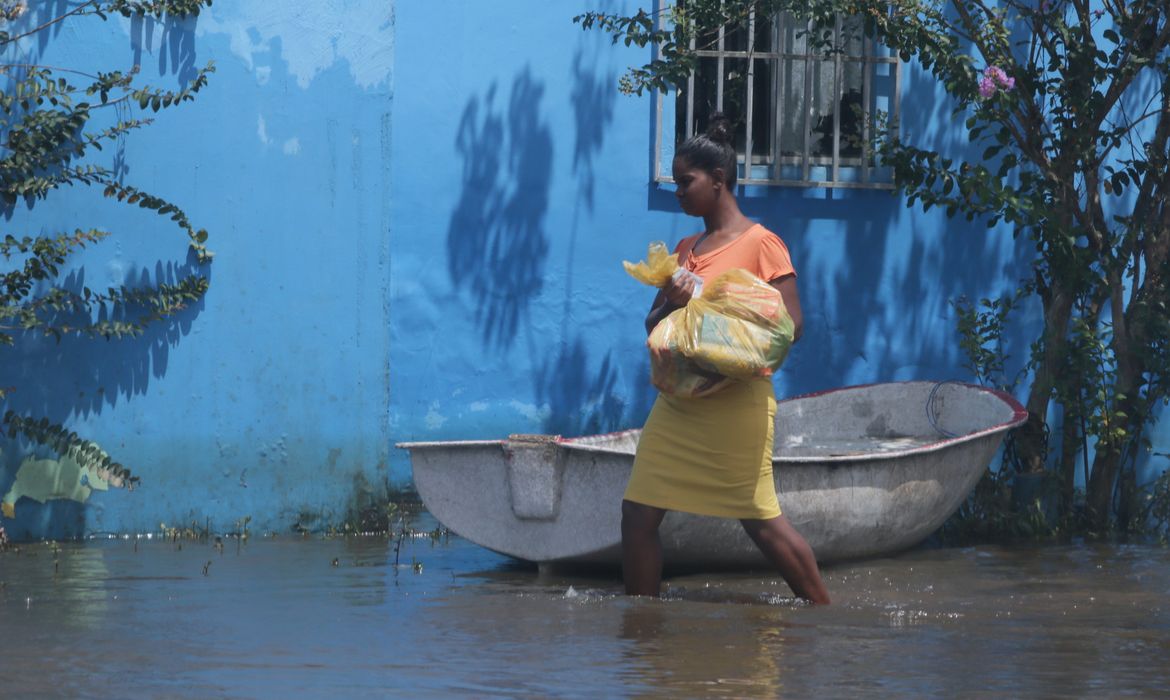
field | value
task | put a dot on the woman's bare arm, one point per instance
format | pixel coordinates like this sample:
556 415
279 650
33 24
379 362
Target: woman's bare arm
786 285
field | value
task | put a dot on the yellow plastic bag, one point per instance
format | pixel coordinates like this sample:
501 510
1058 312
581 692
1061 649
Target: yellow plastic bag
671 372
658 267
737 328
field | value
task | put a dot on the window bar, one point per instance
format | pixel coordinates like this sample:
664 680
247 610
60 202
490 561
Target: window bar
838 90
659 98
751 84
805 155
690 130
656 165
778 96
895 108
867 69
719 74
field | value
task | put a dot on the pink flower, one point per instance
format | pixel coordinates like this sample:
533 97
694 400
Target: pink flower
994 79
986 88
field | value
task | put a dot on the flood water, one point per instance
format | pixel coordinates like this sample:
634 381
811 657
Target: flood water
289 617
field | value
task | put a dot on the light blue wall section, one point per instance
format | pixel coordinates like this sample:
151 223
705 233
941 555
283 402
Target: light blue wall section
420 210
270 398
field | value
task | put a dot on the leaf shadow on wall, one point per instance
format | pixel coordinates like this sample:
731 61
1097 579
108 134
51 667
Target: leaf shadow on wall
582 399
497 247
592 99
176 44
79 377
41 14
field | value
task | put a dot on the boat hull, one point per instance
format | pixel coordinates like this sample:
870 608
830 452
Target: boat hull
860 472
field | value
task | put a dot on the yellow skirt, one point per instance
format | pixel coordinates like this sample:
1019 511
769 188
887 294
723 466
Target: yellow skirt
709 456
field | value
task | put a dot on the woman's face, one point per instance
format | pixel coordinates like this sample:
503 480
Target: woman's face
697 190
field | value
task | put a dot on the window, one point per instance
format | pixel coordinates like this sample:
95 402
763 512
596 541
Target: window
804 113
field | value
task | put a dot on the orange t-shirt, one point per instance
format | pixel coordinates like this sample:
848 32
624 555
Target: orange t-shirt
757 250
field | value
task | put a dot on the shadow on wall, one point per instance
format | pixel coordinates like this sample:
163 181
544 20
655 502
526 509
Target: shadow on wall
592 100
43 14
964 259
496 244
79 377
176 45
582 399
839 297
498 248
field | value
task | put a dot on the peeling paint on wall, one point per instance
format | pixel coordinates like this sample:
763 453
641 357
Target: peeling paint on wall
47 479
531 412
311 39
434 420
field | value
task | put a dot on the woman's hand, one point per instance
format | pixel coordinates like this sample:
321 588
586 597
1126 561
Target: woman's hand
682 287
678 291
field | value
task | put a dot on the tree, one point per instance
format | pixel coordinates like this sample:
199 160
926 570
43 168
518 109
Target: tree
1068 102
45 138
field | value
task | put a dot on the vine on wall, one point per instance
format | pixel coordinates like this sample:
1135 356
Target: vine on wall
46 143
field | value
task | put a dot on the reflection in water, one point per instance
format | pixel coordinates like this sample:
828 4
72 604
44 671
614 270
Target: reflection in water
679 651
333 617
74 583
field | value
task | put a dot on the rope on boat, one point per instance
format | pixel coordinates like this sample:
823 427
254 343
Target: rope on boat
932 412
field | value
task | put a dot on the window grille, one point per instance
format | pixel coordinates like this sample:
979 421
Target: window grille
804 114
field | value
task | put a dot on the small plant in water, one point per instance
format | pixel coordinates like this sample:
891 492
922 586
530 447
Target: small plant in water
1156 513
242 527
404 530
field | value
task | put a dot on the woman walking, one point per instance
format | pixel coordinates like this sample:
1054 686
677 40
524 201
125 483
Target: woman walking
713 455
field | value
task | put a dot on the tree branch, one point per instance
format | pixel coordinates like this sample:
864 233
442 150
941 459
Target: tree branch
80 9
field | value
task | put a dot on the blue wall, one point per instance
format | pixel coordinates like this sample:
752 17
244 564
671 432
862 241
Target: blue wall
270 398
419 212
522 178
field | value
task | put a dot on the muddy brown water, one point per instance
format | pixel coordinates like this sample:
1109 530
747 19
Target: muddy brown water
288 617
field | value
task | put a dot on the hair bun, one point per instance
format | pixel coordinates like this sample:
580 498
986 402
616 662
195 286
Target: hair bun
719 128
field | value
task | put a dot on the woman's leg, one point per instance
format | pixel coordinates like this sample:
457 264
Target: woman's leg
789 552
641 548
